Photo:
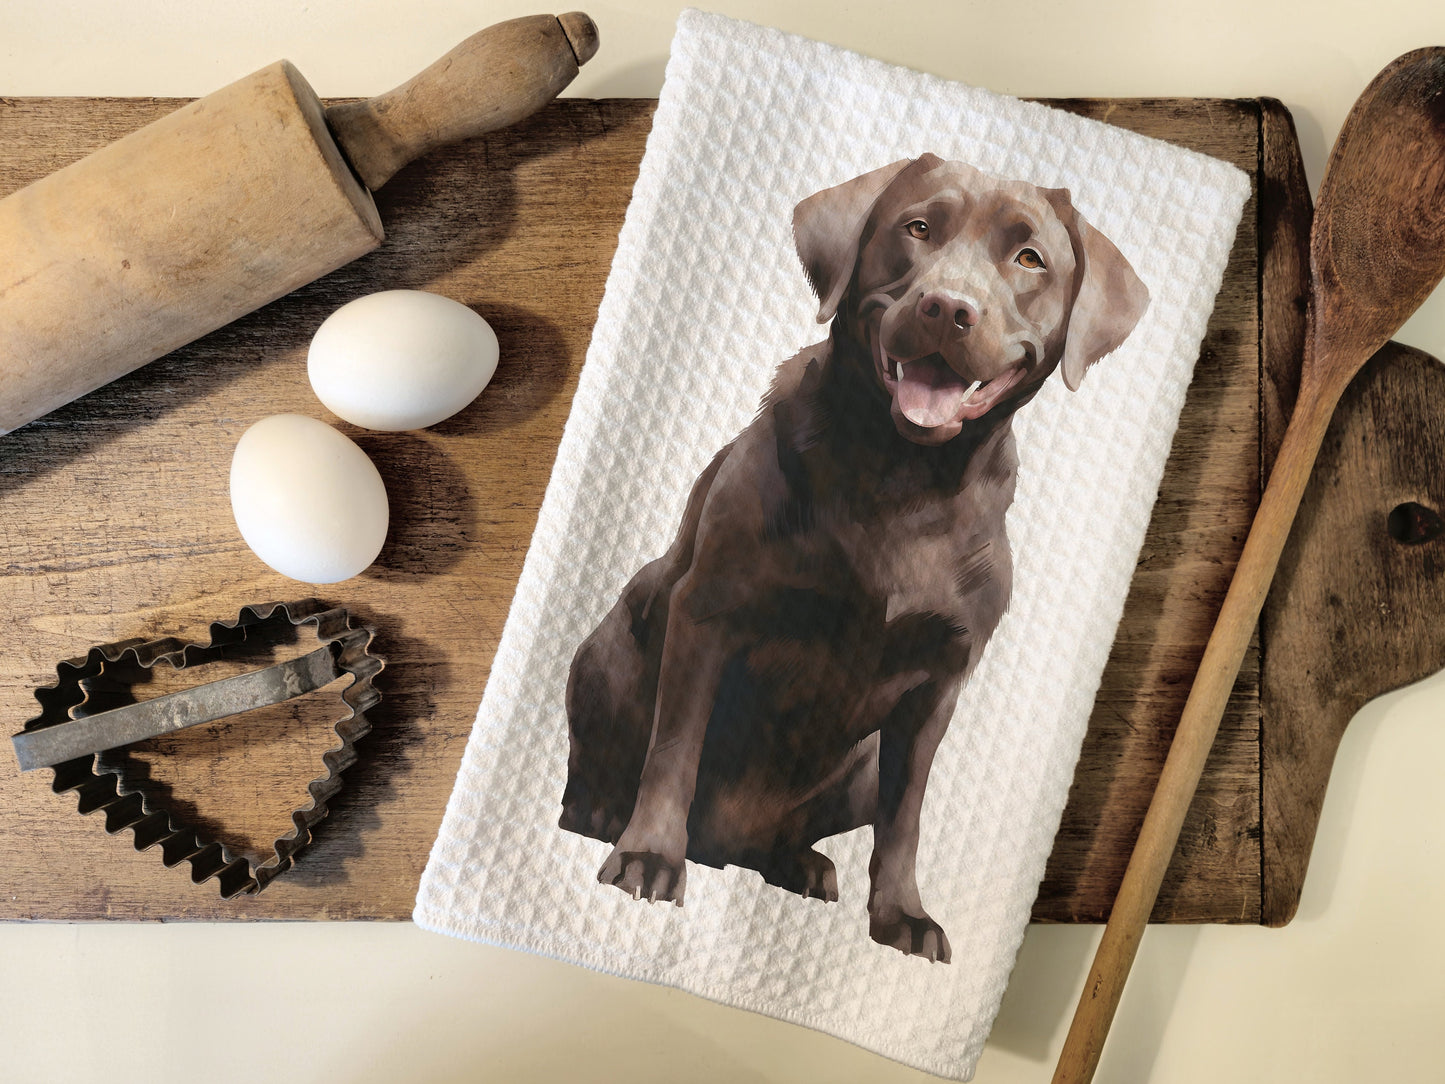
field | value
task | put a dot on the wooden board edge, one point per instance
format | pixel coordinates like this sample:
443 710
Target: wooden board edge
1175 906
1285 214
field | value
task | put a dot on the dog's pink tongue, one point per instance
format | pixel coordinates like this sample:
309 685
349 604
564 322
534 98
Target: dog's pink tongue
929 392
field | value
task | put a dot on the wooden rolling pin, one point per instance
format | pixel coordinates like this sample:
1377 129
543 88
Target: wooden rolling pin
231 202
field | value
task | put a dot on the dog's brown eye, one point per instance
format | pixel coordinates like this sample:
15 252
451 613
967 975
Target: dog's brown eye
918 228
1030 259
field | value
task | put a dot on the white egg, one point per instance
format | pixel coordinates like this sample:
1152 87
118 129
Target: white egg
401 359
307 500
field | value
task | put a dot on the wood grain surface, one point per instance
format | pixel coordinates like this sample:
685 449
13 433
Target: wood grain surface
115 522
1355 611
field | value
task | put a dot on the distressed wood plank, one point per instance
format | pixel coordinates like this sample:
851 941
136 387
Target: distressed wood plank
1206 500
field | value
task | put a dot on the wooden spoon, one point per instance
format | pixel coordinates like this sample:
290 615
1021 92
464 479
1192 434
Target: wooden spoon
1377 249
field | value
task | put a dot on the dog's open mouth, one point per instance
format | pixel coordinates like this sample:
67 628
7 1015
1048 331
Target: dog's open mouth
930 394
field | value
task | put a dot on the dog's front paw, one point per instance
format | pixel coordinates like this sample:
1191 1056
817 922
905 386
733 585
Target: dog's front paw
645 875
913 935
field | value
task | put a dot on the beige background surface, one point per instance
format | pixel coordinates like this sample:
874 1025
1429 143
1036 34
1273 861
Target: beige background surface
1353 990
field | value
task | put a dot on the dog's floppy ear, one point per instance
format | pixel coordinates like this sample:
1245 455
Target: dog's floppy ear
1109 299
828 225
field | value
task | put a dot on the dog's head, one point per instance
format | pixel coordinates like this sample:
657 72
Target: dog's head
966 290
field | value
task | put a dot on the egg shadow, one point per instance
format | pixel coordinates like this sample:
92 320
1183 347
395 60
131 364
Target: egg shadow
433 507
537 361
432 510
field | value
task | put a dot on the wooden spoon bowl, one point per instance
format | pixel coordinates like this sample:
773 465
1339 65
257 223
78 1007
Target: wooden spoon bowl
1378 244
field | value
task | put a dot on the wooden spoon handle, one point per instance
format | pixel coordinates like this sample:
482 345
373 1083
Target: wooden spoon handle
495 78
1195 735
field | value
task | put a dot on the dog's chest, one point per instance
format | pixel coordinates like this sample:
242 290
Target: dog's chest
891 533
928 559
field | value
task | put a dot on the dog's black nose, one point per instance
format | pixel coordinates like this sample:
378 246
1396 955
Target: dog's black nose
939 305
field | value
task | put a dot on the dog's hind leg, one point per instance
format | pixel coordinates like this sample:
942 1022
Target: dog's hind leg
846 801
611 689
849 799
809 873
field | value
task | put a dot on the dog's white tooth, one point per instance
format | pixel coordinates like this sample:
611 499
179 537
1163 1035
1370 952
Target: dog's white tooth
971 389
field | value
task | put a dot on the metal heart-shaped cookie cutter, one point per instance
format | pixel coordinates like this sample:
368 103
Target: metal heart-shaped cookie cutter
91 711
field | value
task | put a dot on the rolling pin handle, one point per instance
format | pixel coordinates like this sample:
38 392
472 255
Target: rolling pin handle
581 35
495 78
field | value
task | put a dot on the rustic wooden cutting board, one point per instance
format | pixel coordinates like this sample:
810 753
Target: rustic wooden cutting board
115 522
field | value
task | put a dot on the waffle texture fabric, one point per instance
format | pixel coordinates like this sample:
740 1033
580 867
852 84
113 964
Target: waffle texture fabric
705 298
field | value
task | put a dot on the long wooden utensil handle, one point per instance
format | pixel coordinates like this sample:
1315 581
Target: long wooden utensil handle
1194 736
495 78
1377 249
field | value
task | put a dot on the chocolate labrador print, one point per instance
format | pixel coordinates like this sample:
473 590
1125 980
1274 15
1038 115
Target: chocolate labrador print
786 670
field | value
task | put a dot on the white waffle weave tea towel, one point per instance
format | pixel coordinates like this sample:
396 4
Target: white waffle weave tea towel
706 297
